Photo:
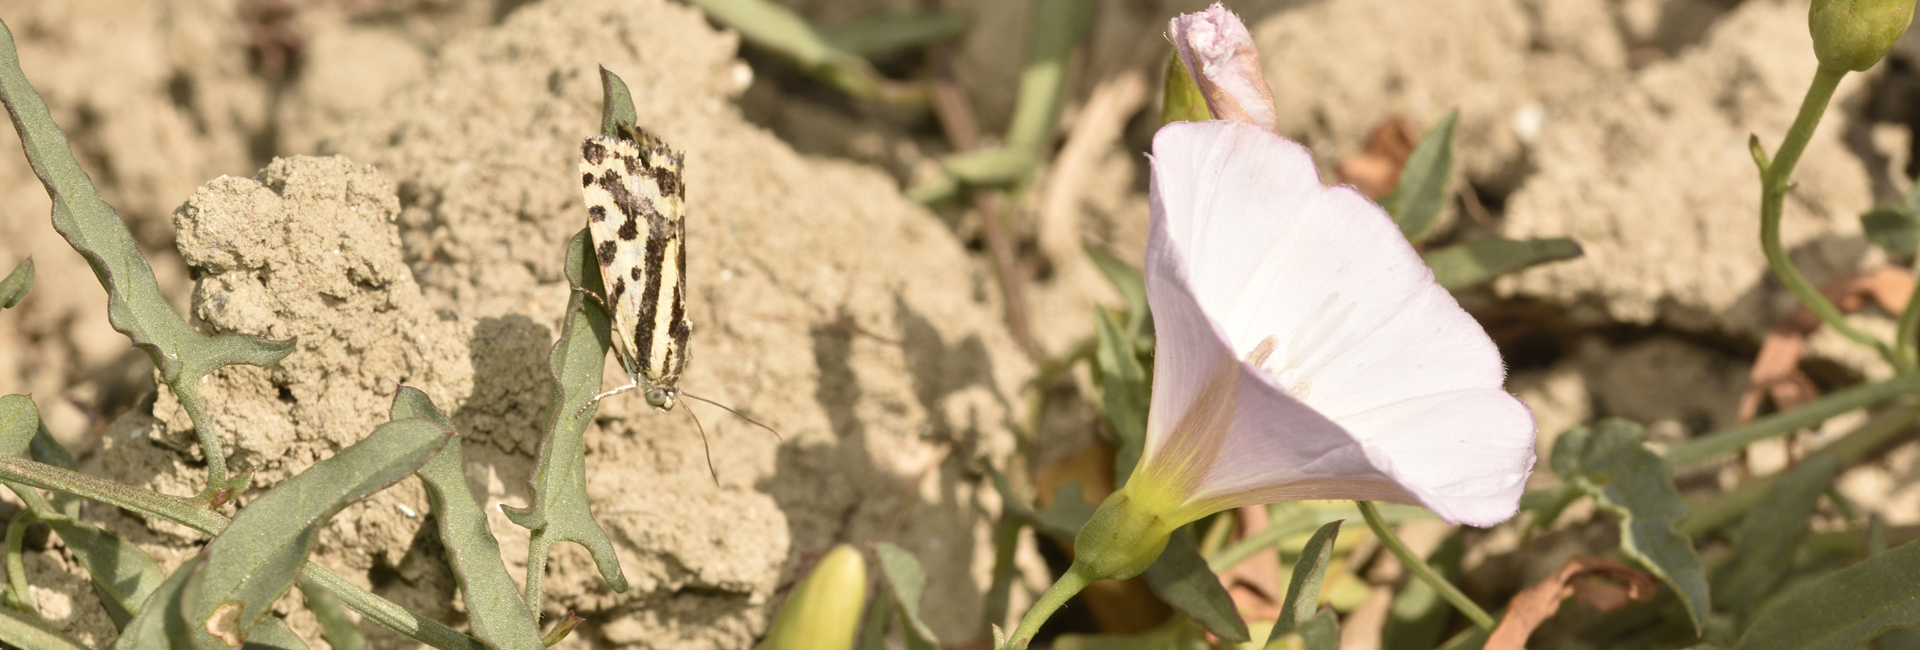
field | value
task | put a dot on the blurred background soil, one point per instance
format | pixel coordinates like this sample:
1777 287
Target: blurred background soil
425 249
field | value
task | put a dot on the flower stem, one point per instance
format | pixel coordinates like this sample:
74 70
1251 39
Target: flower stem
1800 417
1775 181
1070 583
1419 567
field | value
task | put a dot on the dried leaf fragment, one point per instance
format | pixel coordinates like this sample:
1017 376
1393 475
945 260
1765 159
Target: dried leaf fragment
1601 583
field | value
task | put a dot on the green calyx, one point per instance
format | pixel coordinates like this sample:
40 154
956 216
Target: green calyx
1854 34
1122 538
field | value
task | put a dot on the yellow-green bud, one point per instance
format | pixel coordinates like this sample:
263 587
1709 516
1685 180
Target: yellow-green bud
823 612
1854 34
1120 540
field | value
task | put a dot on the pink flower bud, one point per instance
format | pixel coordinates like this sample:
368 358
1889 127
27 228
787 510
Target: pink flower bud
1219 54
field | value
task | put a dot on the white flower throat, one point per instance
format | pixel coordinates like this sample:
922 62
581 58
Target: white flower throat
1315 331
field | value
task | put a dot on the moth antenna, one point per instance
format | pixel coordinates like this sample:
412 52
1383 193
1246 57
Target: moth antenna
596 399
743 416
703 443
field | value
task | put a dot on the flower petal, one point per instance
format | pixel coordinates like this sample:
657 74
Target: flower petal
1355 318
1465 454
1374 383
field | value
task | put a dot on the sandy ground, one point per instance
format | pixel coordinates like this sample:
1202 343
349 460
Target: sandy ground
422 246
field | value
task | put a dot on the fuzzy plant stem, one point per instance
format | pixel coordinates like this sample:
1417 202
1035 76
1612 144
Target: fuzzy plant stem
1776 178
1070 583
17 594
1419 567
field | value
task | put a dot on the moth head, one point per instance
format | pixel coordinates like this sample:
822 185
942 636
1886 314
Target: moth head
660 399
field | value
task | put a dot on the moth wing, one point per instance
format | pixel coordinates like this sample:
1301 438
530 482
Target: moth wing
618 225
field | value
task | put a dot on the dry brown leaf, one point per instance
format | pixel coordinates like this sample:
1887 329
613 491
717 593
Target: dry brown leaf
1776 369
1601 583
1376 171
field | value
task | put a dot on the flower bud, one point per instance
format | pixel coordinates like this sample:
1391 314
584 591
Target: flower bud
824 610
1854 34
1219 53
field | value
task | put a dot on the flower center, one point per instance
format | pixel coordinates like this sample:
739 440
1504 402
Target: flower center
1301 388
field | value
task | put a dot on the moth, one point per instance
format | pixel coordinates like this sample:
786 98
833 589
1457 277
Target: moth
637 215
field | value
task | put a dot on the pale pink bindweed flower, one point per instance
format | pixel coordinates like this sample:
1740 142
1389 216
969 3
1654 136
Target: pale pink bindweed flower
1304 350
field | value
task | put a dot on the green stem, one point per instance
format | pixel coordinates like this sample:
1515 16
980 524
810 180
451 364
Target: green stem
1850 449
17 594
189 397
181 512
1070 583
1903 344
1419 567
1785 422
1775 181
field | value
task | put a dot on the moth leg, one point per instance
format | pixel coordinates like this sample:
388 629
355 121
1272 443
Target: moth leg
597 299
596 399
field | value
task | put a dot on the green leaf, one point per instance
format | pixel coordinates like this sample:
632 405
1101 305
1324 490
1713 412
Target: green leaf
992 167
251 563
272 634
1892 228
494 607
1303 589
122 574
1547 504
15 287
1125 391
906 581
1181 578
616 108
1611 463
1130 283
779 30
159 625
1764 550
558 510
1416 201
135 306
1473 263
22 630
1322 632
1844 609
1180 98
873 631
336 627
878 34
1057 29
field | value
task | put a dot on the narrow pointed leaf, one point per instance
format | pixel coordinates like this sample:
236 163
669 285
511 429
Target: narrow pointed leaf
1181 578
1322 632
272 634
159 625
1611 463
1422 191
14 288
558 510
251 563
122 574
494 607
1130 282
22 630
1473 263
1125 392
778 29
1763 552
1893 228
873 632
906 580
889 32
1303 589
1181 99
1844 609
339 630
